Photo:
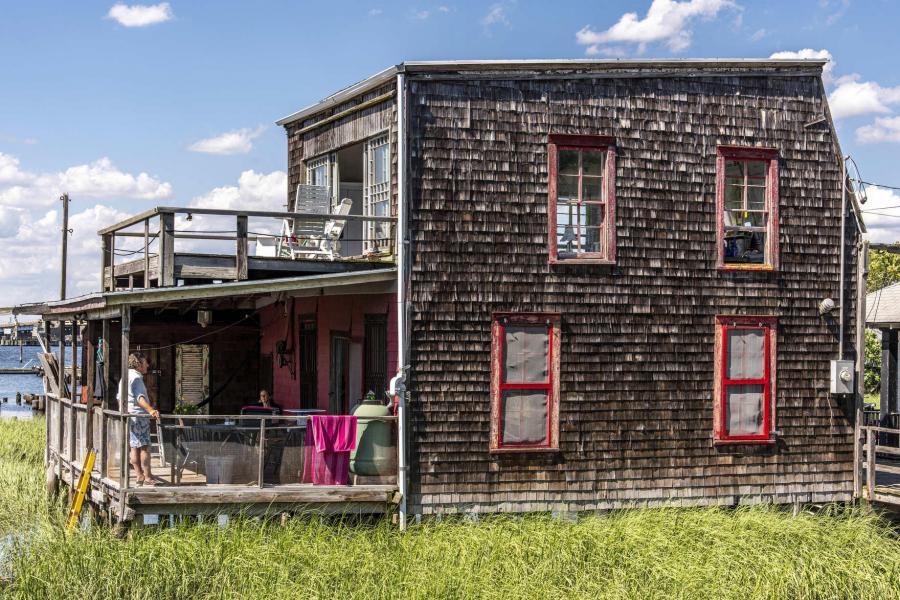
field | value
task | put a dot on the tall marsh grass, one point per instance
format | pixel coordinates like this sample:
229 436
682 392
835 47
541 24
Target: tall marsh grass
665 553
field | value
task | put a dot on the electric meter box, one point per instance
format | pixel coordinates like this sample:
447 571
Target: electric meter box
842 376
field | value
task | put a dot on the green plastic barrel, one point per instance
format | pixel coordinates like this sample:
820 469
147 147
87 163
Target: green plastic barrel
375 454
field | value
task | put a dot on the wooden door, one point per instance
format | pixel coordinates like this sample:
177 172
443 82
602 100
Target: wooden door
337 380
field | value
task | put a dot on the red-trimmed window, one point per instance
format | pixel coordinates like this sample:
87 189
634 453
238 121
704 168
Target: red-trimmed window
747 208
525 382
745 378
582 199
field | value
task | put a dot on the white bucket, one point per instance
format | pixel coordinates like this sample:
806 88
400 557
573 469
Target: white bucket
219 469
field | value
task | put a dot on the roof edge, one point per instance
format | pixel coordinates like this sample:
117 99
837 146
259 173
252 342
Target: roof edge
435 66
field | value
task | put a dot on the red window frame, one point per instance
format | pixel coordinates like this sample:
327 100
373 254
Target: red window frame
498 386
724 324
748 154
557 142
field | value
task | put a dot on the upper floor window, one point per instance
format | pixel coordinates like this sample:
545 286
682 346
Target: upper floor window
582 206
318 171
525 382
745 378
747 208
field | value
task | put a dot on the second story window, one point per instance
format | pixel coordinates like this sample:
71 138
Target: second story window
581 192
747 208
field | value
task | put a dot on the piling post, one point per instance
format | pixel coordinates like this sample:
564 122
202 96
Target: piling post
65 245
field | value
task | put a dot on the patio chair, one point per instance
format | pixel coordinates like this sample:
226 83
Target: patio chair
300 240
295 232
189 444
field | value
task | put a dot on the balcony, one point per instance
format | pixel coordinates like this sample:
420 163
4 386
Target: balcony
169 246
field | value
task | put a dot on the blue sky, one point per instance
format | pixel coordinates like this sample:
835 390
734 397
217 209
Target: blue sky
127 106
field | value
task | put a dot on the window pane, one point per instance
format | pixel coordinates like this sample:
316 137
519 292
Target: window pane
756 169
592 163
756 198
568 162
380 156
592 215
592 189
744 409
567 187
524 417
592 240
745 218
526 349
566 241
734 168
746 354
745 247
734 196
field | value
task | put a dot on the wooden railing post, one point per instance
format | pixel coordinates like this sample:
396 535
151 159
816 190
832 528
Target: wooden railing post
241 250
166 249
146 253
107 242
262 451
870 468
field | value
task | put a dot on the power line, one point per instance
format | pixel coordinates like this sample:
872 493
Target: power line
887 187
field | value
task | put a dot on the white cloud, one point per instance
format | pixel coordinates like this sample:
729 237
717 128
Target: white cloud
881 215
374 12
239 141
140 15
99 179
758 35
496 16
827 70
667 21
885 129
254 191
29 258
421 15
853 97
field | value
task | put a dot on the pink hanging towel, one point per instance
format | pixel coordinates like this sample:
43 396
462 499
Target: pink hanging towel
329 440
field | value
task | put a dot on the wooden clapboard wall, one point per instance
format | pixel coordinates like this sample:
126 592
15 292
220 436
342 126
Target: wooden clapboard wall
636 412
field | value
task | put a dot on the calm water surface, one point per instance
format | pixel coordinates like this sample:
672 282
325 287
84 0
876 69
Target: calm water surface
26 384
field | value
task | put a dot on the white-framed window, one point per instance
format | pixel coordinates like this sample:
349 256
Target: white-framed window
377 192
318 171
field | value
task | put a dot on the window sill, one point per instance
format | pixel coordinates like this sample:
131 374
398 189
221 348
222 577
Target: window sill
582 261
743 267
524 450
766 442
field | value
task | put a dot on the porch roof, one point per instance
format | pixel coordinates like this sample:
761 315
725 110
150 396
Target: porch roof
883 308
99 304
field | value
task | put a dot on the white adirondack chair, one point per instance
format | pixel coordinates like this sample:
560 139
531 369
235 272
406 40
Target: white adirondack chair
307 237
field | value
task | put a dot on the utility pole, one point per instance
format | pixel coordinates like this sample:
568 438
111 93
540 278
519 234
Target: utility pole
65 245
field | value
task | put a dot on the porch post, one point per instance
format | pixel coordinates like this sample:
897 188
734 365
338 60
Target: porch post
166 249
123 399
89 361
104 398
888 372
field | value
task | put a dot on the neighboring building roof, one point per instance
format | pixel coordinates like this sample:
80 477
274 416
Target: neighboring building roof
661 66
883 307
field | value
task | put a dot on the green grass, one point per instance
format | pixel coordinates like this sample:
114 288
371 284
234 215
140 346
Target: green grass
663 553
872 399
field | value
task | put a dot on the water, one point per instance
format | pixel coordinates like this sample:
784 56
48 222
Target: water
23 383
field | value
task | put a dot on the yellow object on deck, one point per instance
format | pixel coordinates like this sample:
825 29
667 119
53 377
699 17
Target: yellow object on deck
81 489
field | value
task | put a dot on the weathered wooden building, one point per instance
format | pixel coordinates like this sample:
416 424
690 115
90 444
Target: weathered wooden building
603 281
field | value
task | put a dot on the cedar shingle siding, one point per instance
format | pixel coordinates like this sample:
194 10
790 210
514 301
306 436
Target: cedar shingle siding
636 365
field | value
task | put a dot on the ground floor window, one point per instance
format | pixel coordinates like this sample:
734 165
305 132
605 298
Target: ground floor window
525 382
745 378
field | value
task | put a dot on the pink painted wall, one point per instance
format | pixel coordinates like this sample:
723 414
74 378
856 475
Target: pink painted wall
333 313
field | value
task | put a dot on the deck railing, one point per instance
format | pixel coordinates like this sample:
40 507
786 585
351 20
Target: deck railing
881 455
252 451
156 250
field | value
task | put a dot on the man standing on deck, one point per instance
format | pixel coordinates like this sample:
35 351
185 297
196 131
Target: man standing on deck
139 404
